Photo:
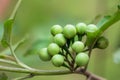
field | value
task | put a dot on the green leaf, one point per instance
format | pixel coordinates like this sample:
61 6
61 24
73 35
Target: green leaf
6 39
103 21
115 18
3 76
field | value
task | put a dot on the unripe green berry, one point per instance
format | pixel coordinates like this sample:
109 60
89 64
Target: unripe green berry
91 28
69 31
81 28
53 49
57 60
102 43
91 33
56 29
60 39
78 46
43 54
81 59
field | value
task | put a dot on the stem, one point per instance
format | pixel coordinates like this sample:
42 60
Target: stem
12 16
35 72
66 49
17 60
65 65
8 62
113 20
12 52
89 75
25 77
49 72
3 56
89 54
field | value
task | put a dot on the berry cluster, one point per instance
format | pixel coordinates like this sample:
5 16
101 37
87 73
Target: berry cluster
68 48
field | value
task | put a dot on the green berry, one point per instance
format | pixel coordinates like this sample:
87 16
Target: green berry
91 28
43 54
78 46
91 32
69 31
56 29
102 43
53 49
60 39
81 28
57 60
81 59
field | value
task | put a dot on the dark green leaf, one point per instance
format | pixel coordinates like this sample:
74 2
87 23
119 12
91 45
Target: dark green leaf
3 76
6 39
103 21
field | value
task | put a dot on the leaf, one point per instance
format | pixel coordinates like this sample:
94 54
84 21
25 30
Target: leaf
116 57
107 22
3 76
6 39
103 21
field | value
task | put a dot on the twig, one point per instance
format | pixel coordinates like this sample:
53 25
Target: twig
12 16
17 60
89 75
50 72
35 71
8 57
92 76
8 62
25 77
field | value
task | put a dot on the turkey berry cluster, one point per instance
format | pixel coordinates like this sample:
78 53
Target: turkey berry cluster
68 48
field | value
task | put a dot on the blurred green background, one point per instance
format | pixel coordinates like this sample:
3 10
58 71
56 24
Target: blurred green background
36 17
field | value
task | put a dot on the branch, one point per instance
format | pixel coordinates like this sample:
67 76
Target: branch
17 60
12 16
25 77
7 57
8 62
89 75
115 18
35 71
